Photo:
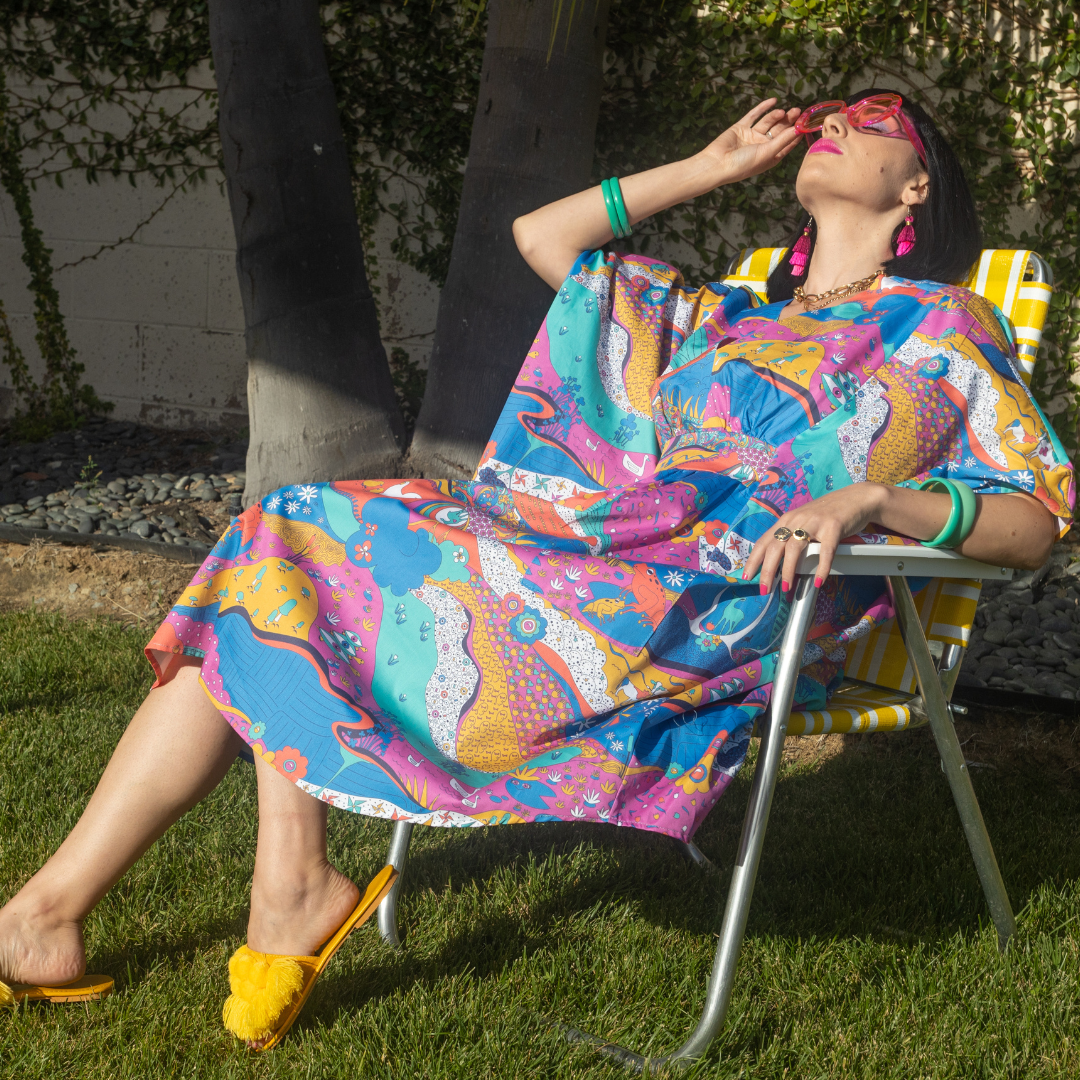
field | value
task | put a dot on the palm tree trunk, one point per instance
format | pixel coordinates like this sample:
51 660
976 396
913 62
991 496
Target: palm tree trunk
320 397
532 142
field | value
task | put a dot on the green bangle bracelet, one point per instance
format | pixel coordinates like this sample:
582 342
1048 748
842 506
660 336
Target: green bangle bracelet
961 516
609 205
968 507
942 539
620 207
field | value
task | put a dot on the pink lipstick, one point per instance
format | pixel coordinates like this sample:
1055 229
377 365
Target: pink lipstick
824 146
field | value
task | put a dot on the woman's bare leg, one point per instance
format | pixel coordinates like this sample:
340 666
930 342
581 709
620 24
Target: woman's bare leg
298 899
174 752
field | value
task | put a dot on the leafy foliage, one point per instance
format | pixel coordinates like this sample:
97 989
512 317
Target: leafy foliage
1001 79
61 399
410 138
78 75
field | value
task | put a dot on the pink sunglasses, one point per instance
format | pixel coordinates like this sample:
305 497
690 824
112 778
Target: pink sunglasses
879 114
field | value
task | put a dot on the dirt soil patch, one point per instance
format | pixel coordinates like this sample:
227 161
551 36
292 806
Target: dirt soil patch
992 739
134 588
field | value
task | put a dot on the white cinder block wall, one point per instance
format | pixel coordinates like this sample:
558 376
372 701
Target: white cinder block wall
158 320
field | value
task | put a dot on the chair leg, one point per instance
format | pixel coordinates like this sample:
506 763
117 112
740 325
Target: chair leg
718 994
387 914
952 760
691 851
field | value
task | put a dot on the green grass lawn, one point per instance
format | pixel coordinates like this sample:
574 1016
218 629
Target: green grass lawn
869 950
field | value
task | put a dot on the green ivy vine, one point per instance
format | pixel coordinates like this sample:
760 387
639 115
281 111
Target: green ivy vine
1001 77
61 399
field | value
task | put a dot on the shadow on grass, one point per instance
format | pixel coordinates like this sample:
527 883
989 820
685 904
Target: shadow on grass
868 845
133 963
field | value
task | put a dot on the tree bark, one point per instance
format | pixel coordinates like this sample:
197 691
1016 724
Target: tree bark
532 142
320 398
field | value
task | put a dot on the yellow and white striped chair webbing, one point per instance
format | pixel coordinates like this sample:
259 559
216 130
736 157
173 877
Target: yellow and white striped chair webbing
753 267
854 709
946 608
999 276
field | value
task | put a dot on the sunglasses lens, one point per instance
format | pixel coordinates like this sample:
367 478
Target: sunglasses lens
874 108
814 117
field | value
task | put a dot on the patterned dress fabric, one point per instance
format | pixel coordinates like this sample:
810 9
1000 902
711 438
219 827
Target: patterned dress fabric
568 636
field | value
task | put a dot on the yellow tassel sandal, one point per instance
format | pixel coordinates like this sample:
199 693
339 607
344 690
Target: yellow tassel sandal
88 988
268 991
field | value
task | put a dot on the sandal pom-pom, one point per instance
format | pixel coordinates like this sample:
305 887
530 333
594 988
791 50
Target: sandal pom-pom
262 986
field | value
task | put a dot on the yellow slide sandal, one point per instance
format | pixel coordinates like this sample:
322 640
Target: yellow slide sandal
88 988
268 991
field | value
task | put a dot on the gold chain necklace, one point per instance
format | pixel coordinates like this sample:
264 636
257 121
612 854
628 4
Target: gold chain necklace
812 301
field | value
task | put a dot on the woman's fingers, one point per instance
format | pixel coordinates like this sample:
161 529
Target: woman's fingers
774 553
785 142
756 557
828 550
769 120
758 111
771 126
830 538
793 553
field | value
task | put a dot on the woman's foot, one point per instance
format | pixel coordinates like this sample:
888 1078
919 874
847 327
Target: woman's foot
294 912
37 945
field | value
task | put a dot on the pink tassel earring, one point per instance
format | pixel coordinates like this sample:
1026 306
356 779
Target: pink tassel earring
800 254
906 240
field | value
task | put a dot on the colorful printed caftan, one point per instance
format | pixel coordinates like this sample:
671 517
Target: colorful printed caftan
567 636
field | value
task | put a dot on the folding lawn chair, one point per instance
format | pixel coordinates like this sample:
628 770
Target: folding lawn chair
901 675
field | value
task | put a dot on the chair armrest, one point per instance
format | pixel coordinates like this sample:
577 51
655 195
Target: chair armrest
901 560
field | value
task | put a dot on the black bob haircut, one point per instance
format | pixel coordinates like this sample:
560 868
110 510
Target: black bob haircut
948 236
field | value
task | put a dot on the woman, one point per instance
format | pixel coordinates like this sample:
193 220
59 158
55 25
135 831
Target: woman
588 629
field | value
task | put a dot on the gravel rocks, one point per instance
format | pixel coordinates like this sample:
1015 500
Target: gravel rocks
1026 637
124 480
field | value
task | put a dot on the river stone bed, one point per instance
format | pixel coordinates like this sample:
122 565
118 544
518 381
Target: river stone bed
1026 637
149 506
125 480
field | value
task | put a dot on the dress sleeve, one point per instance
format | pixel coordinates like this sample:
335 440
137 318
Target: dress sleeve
1005 443
581 406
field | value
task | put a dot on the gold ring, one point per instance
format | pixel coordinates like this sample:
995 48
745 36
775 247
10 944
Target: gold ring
801 534
783 534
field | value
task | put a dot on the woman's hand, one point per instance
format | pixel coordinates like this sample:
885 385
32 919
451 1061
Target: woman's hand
827 520
1010 530
760 140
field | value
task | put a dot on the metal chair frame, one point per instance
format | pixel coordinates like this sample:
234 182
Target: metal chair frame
935 679
935 682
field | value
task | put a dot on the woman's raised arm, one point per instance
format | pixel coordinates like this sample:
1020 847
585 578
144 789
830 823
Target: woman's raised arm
551 238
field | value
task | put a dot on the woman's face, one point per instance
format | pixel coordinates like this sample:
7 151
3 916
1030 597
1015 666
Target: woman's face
876 173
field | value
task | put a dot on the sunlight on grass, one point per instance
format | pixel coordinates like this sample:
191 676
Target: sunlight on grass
869 951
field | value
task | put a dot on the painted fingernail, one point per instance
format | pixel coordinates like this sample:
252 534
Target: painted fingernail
787 586
763 589
817 583
745 576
